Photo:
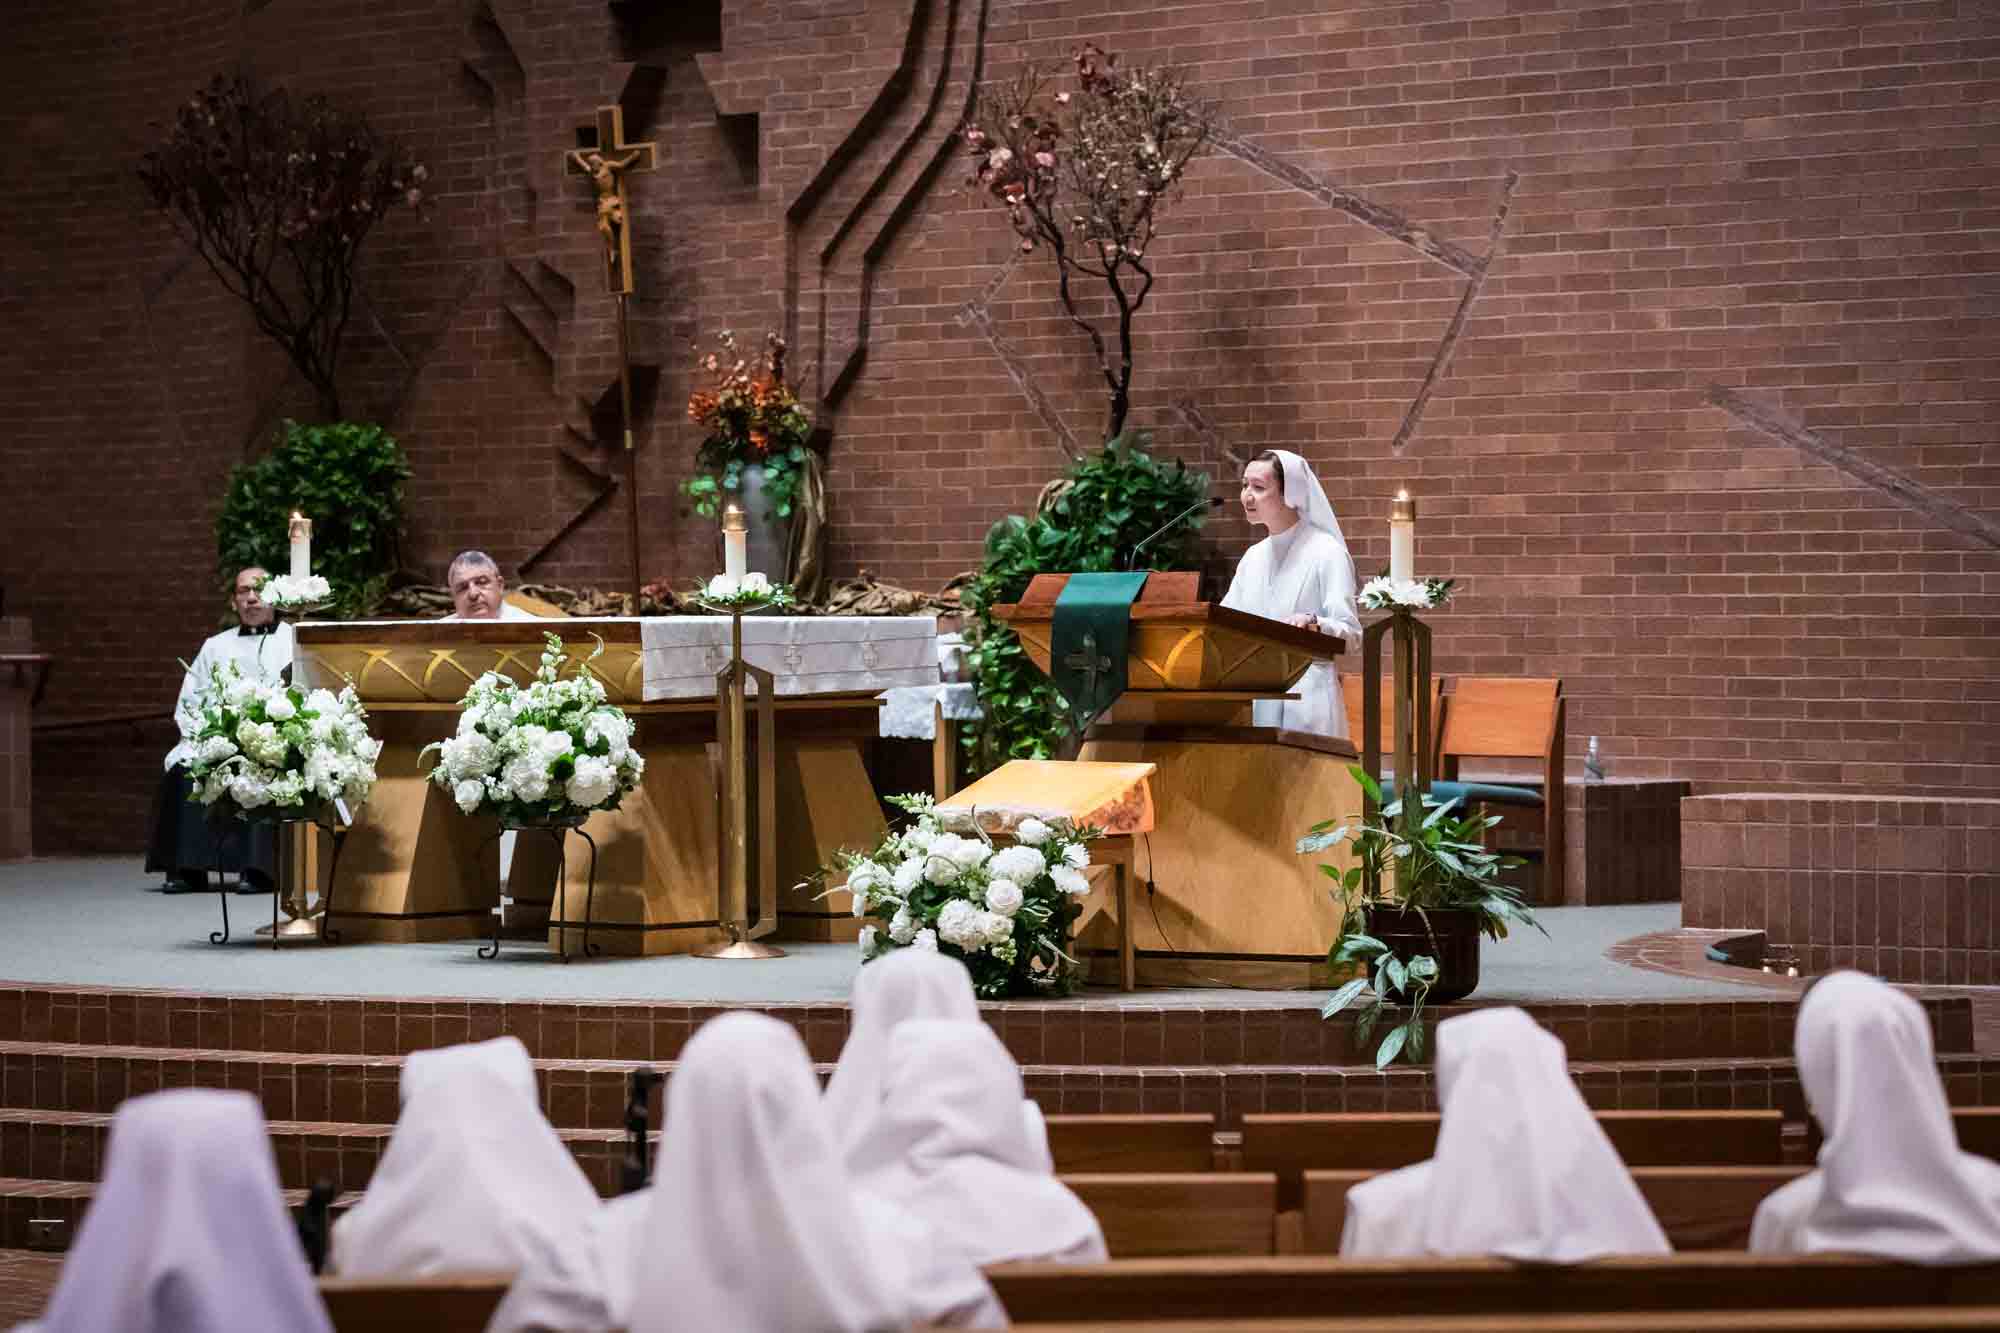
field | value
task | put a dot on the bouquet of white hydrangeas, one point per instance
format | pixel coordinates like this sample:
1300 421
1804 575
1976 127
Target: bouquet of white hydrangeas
535 753
251 744
1386 594
294 592
1005 912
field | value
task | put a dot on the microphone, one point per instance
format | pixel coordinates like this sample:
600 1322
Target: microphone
1213 502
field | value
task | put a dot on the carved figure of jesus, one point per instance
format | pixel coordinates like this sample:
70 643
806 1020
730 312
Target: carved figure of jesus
604 178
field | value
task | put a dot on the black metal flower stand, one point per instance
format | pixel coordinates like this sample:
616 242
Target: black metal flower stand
300 926
559 829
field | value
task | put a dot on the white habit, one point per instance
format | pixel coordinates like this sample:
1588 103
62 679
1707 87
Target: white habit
1305 569
585 1287
188 1230
474 1176
1522 1168
258 656
508 611
1892 1180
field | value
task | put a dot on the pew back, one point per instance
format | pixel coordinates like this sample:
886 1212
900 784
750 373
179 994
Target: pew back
448 1303
1096 1143
1173 1213
1901 1319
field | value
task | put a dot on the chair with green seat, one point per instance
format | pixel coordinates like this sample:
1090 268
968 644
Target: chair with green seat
1509 717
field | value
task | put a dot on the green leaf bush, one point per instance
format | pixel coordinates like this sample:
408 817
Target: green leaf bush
348 479
1115 499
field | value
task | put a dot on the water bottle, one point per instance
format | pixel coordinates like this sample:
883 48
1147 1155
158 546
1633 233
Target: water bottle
1593 767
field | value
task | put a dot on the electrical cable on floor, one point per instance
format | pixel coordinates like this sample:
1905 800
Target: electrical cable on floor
1147 838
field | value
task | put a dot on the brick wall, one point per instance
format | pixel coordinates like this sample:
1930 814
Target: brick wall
1716 441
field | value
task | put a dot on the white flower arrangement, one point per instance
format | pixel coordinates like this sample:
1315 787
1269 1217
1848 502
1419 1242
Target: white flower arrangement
1005 912
548 750
752 590
251 744
1386 594
294 592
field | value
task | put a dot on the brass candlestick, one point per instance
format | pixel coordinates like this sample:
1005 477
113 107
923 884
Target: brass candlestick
733 806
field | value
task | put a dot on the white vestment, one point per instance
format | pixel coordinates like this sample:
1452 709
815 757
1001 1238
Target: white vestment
755 1225
1892 1180
1522 1168
188 1232
258 656
950 1147
508 611
474 1177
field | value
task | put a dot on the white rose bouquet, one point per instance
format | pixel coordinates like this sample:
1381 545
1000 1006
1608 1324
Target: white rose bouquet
253 745
536 753
287 592
752 590
1386 594
1005 912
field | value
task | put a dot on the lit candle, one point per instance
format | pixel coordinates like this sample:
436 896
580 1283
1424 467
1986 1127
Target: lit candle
1403 538
301 534
735 543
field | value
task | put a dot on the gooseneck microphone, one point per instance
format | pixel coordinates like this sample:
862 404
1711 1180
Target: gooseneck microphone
1213 502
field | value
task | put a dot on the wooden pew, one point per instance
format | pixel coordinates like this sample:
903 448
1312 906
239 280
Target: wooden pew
1291 1144
1308 1286
448 1303
1699 1207
1978 1129
1098 1143
1181 1213
1899 1319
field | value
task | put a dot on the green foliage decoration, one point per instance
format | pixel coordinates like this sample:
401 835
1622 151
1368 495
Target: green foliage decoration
1116 498
348 479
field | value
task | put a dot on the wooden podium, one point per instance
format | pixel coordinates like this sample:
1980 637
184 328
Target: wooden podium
1230 901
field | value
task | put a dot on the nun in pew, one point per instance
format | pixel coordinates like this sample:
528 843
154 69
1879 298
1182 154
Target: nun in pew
188 1231
1522 1169
1892 1180
474 1176
892 990
949 1145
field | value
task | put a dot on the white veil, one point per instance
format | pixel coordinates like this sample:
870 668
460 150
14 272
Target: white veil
1304 494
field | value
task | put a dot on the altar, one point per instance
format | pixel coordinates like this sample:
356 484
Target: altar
415 868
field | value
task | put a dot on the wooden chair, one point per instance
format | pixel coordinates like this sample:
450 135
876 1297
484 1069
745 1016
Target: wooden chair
1499 717
1699 1207
447 1303
1288 1145
1350 696
1308 1286
1106 1143
1147 1215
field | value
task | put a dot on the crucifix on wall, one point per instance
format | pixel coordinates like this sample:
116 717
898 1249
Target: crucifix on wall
606 164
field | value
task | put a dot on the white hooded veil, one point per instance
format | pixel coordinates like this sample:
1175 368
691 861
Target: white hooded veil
1304 494
950 1147
1522 1168
188 1230
474 1176
909 983
1892 1180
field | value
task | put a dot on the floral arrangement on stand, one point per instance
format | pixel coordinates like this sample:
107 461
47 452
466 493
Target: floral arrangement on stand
1383 593
295 593
253 745
752 421
1005 912
540 753
726 592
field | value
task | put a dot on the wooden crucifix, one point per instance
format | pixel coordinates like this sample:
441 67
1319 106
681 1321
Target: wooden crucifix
606 165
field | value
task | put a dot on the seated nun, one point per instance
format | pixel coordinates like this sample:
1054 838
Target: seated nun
1891 1179
950 1147
1522 1169
474 1176
755 1225
582 1286
906 984
188 1231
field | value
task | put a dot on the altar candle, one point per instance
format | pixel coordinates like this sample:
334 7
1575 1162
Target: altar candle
735 543
1403 538
301 532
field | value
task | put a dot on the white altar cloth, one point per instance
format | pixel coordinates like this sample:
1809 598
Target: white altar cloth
806 654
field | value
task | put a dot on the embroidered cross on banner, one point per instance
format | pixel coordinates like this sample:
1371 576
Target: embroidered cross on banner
795 657
1091 663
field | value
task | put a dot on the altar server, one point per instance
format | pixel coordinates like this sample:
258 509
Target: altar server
188 1231
1891 1180
892 990
755 1224
474 1177
183 844
479 589
949 1146
1522 1169
1302 574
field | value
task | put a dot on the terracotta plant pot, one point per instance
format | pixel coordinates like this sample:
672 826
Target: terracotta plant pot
1453 938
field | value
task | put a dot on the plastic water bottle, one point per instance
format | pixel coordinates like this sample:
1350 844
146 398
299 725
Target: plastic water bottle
1593 767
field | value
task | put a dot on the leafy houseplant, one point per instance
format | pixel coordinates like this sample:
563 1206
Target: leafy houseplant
1444 878
348 479
751 421
1115 499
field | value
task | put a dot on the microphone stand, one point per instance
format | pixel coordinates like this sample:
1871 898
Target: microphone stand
1212 502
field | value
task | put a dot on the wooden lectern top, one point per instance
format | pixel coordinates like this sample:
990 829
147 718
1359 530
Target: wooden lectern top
1117 798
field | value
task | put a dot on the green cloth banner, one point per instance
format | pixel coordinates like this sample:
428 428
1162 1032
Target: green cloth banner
1087 641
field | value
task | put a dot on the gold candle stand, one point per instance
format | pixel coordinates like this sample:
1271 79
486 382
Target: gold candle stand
733 804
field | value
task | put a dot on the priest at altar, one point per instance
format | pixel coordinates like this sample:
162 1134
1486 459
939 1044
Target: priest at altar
479 589
183 844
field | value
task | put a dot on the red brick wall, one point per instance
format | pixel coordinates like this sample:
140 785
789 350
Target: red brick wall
1794 202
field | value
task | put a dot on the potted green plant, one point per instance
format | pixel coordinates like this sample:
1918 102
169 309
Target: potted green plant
1421 892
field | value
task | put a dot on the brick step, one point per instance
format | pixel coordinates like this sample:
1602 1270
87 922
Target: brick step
1049 1032
22 1200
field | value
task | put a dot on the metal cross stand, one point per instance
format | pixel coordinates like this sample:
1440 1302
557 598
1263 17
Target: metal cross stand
733 807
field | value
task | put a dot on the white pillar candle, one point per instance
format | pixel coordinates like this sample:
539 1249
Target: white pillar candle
735 543
301 535
1403 538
